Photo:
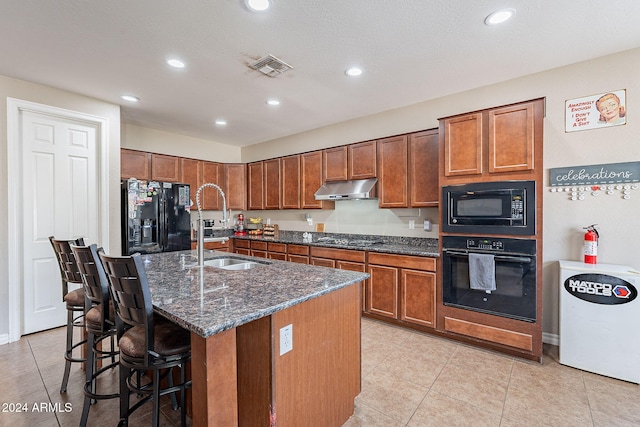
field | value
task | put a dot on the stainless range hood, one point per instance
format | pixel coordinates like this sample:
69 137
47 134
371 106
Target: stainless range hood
348 190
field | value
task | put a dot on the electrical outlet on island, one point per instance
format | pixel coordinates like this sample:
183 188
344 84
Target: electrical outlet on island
286 339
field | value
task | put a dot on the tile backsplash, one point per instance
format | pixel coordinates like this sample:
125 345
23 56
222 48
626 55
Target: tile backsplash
348 217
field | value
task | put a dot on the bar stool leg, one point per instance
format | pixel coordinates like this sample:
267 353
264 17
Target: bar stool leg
67 365
89 369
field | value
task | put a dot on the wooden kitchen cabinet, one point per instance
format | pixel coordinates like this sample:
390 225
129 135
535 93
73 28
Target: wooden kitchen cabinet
271 182
418 297
511 138
235 179
500 140
353 161
165 168
191 173
335 162
312 179
290 180
298 253
215 246
135 164
276 250
343 259
242 247
255 185
423 169
259 249
363 160
382 292
402 288
210 199
463 145
393 160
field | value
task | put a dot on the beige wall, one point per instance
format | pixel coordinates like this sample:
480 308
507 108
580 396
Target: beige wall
563 219
157 141
26 91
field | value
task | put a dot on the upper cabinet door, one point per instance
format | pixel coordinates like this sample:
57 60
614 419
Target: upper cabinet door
290 179
463 145
393 178
335 164
311 164
191 173
272 184
511 138
255 184
135 164
235 178
363 160
423 168
165 168
210 197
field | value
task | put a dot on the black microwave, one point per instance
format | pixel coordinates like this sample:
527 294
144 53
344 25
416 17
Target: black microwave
501 207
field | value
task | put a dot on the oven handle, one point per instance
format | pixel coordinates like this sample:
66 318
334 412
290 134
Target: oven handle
525 260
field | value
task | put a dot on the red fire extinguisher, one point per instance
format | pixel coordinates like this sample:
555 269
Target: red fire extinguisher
591 244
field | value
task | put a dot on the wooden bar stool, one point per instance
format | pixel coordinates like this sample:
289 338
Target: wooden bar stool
100 324
147 342
74 301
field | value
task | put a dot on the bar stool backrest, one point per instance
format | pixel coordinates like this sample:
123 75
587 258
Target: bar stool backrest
131 295
66 261
96 286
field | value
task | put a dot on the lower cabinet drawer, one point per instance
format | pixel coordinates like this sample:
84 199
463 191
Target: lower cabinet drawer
489 333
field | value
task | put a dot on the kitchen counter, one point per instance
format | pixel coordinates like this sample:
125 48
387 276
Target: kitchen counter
243 363
211 300
415 246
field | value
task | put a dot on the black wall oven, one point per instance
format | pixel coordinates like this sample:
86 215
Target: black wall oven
506 267
501 207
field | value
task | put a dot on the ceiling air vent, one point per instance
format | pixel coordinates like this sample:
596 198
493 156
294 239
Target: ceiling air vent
270 66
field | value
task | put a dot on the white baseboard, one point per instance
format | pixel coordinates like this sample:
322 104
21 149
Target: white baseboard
552 339
4 339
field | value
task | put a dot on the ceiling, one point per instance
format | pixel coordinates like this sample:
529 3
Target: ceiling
410 50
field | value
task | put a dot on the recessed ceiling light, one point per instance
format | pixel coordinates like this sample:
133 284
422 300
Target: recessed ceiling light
175 63
499 16
257 5
221 122
353 71
130 98
273 102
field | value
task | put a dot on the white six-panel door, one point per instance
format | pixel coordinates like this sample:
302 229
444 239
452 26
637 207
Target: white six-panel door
61 198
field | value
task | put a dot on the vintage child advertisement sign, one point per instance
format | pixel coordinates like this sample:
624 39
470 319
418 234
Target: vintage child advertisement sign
596 111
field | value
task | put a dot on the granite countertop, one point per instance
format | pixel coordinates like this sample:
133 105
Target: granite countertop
389 244
210 300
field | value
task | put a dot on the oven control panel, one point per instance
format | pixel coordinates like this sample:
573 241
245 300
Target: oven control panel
487 244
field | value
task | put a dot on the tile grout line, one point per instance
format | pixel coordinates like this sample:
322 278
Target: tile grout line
44 385
434 381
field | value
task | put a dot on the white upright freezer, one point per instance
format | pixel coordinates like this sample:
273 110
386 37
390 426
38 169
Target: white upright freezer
600 319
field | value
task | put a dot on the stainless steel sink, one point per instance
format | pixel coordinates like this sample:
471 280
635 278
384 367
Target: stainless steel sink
232 263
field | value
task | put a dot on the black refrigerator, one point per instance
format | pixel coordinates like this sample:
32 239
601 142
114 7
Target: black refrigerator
156 217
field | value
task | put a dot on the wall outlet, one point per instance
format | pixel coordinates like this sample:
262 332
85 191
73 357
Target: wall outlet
286 339
412 224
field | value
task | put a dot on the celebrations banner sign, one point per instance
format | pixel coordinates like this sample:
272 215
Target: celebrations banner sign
613 173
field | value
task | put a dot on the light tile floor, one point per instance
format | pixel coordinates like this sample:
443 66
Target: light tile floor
413 379
408 379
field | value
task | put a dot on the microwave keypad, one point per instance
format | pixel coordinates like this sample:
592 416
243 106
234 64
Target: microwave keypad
517 208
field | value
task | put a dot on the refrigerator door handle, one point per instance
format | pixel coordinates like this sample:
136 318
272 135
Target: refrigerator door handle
161 220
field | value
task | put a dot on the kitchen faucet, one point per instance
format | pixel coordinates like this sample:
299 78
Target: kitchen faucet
200 243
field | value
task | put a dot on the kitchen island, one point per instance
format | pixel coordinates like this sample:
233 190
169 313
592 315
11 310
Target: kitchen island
276 342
